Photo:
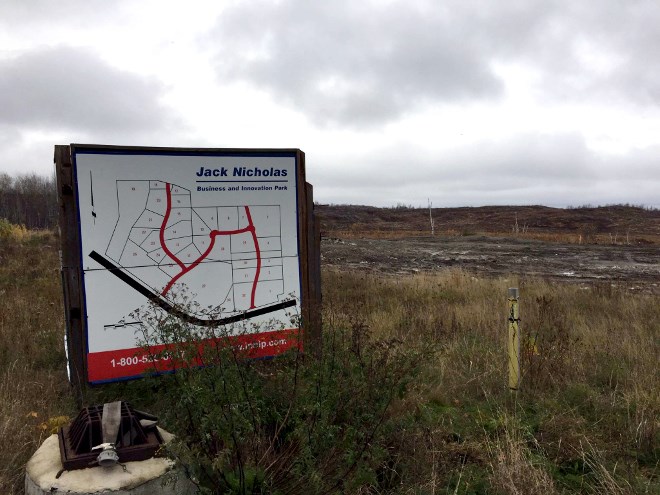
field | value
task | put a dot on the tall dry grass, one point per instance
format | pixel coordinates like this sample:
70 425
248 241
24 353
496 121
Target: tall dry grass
33 383
585 420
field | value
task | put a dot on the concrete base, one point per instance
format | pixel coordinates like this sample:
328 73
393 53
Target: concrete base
148 477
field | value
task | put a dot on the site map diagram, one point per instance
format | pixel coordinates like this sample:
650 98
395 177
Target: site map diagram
234 252
211 238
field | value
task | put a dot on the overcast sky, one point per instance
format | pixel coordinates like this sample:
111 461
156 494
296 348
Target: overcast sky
463 102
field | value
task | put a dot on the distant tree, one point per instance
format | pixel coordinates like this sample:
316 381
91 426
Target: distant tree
28 199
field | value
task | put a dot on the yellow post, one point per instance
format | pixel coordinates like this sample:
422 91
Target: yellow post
513 342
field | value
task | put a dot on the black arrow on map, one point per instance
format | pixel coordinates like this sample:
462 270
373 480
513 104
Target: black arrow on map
91 190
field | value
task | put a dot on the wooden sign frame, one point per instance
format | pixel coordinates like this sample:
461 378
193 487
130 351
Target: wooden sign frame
72 265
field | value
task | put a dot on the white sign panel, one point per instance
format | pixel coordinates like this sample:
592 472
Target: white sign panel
156 224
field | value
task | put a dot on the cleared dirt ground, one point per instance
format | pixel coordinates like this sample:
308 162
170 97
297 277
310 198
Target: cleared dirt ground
633 267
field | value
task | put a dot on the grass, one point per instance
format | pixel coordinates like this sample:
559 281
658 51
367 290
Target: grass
33 385
584 421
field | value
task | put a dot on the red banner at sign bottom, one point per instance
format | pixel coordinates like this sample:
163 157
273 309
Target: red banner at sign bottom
125 364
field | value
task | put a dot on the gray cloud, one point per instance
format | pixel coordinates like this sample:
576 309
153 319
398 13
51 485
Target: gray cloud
342 62
64 94
365 65
554 170
355 64
579 50
636 43
66 88
522 160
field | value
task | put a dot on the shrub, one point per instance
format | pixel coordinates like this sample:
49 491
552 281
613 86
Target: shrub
12 232
293 424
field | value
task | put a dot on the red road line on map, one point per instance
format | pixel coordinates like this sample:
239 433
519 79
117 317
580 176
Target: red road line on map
258 253
186 269
214 233
164 226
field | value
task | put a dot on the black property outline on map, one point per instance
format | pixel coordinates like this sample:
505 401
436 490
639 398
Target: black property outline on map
175 311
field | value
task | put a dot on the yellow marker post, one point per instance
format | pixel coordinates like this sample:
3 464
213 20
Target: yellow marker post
513 341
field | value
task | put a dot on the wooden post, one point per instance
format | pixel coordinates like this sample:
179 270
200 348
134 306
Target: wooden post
310 252
431 216
70 270
313 326
513 340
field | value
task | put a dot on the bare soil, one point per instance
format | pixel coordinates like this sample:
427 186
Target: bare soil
635 267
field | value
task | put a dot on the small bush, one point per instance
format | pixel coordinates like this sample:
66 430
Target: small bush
294 424
12 232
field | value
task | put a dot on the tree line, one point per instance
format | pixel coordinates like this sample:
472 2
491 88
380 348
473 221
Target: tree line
29 199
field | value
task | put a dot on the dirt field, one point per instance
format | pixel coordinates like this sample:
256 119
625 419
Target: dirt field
635 267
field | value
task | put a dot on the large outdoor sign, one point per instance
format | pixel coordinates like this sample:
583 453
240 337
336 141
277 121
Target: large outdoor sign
228 228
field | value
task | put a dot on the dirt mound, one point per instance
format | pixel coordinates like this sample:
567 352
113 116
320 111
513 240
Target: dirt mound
618 224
